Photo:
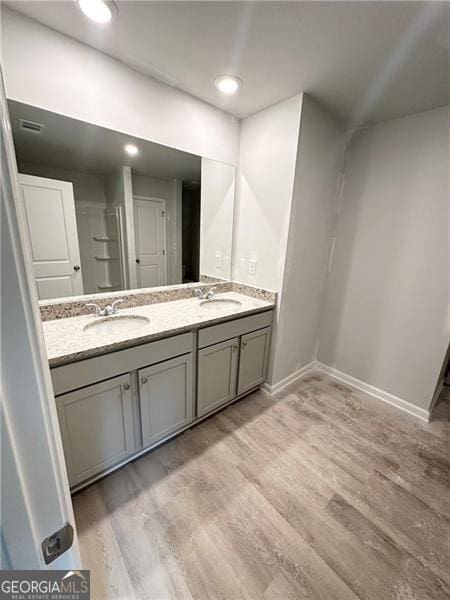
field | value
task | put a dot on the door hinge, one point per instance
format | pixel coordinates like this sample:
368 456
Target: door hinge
164 252
57 543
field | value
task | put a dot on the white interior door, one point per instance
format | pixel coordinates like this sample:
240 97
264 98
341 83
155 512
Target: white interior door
34 491
52 229
150 239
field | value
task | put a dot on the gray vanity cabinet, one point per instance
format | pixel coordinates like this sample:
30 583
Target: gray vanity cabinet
217 372
96 427
232 359
166 398
114 406
253 357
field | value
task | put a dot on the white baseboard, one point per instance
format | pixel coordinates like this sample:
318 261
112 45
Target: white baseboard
295 376
403 405
373 391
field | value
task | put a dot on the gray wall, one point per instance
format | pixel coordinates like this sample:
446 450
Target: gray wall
319 156
385 313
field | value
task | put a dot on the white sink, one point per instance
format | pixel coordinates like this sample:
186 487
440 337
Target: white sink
214 303
117 324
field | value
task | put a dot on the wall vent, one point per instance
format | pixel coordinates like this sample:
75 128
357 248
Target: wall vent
30 126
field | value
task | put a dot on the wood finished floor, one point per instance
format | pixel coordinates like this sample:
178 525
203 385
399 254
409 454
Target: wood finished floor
322 493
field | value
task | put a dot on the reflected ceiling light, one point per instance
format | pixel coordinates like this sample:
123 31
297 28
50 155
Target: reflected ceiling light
131 149
228 84
98 10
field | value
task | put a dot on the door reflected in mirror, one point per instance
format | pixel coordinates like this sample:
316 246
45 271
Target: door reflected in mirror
108 212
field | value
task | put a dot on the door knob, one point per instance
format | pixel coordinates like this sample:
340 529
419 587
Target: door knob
76 267
138 260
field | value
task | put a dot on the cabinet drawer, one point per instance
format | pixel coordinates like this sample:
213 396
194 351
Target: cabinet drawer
96 427
217 371
84 372
166 398
254 353
235 328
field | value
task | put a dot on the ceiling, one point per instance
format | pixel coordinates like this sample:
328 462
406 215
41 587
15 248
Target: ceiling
365 61
66 143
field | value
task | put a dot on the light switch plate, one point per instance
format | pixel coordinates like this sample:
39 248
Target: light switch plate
218 262
252 267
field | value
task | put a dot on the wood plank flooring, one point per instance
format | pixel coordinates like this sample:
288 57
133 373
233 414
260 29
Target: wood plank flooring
321 493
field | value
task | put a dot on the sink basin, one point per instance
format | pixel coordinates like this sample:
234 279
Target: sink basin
220 303
117 324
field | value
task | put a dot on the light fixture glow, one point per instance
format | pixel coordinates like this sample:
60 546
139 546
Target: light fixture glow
228 84
131 149
97 10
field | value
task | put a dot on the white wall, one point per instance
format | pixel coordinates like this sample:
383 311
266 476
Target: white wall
268 150
52 71
320 153
150 187
385 316
217 208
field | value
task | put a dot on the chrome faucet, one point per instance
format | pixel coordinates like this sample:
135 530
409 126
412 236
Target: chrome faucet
107 311
206 294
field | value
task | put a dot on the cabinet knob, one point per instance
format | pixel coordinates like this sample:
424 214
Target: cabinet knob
126 386
235 347
144 380
76 267
244 344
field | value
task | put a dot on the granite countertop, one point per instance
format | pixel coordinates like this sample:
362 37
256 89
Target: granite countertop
66 340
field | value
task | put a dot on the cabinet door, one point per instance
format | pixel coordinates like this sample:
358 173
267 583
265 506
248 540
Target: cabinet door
253 359
217 370
96 427
166 398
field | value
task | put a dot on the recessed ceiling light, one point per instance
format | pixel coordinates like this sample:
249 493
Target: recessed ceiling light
131 149
99 11
228 84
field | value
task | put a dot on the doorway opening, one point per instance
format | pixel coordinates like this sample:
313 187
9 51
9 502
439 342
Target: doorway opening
190 231
441 399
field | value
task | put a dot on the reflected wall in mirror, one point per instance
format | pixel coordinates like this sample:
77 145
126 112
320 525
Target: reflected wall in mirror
218 188
106 212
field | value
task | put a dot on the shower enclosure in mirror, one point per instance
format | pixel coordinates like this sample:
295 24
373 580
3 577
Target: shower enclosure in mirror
106 212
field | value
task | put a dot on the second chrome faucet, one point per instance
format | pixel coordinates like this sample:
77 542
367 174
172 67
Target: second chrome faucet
205 294
111 309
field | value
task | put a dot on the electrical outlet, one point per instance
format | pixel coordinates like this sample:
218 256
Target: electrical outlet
218 262
252 267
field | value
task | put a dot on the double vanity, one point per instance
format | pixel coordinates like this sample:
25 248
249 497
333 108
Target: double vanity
124 382
140 344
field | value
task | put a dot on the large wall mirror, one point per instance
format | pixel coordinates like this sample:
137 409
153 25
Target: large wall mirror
106 212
